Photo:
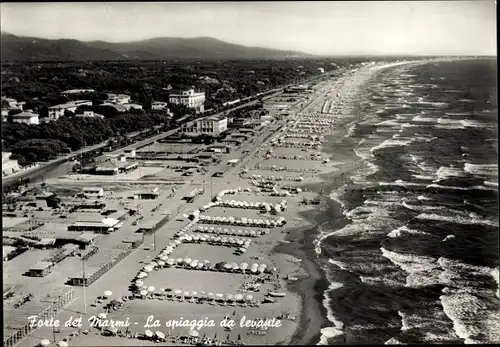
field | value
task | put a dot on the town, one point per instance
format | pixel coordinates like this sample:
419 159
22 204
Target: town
117 202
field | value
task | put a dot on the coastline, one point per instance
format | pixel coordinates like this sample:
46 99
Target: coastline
304 240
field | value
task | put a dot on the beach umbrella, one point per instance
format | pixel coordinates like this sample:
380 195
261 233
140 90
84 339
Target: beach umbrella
144 292
238 297
249 298
244 266
44 342
170 261
200 265
62 344
108 293
186 294
178 292
148 269
235 266
102 315
227 266
229 297
187 260
151 289
160 335
142 275
161 263
194 294
194 263
219 296
194 333
139 283
179 260
177 242
148 333
210 295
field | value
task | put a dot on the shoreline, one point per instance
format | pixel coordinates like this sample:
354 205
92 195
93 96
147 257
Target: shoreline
303 240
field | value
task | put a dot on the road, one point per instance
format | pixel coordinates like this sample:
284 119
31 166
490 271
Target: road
54 167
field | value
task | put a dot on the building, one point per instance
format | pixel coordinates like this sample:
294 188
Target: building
190 99
14 104
93 192
90 114
213 126
27 117
130 153
114 167
132 106
57 111
77 91
160 105
41 269
107 225
9 166
147 195
119 99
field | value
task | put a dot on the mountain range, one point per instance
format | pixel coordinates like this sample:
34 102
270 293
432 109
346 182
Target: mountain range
21 48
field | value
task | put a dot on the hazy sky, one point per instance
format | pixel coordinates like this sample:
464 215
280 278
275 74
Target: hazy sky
365 27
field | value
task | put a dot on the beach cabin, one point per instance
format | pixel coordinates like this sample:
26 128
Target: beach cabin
93 192
41 269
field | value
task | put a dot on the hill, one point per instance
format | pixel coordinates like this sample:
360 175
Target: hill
17 48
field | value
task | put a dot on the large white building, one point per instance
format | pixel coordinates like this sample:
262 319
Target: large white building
57 111
190 99
213 126
27 117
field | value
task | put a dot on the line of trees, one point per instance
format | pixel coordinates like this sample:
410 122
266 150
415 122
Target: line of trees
31 143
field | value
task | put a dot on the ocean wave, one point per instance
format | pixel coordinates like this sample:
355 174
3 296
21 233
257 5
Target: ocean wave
389 144
404 230
423 198
481 169
422 270
423 177
445 172
389 123
394 341
456 219
336 330
424 119
472 317
495 273
401 183
438 186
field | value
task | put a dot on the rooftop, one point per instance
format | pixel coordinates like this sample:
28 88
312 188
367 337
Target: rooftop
25 115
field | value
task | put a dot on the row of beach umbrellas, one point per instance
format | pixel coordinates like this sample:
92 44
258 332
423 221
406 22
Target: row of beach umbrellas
232 232
243 221
217 239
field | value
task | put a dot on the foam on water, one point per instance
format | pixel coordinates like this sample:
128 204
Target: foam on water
404 230
457 219
389 144
481 169
422 271
424 119
336 330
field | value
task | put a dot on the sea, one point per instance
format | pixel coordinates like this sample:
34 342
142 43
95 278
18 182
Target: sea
418 260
